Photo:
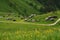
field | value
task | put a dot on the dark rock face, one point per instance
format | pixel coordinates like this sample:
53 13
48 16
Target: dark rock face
54 17
51 18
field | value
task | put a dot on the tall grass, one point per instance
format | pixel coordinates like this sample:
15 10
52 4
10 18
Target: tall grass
9 31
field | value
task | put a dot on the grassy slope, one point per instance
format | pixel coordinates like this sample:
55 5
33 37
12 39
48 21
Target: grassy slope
4 7
9 31
20 6
40 17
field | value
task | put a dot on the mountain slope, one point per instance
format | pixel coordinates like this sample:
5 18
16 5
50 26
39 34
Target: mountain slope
27 7
24 7
4 7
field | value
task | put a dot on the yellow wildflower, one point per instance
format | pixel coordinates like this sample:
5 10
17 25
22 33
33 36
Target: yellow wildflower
37 33
49 31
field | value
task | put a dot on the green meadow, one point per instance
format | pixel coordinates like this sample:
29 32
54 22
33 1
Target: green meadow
13 31
13 25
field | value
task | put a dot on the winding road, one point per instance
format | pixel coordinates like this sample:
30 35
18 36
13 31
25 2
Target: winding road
33 23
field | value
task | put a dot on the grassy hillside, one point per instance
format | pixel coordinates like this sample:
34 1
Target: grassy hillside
4 6
20 6
10 31
26 30
27 7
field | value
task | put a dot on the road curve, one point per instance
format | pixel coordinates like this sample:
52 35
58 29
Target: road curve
33 23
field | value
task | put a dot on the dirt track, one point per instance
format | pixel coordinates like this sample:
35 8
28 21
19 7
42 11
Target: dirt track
33 23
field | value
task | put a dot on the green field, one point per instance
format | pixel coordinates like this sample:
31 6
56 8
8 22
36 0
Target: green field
13 31
22 31
17 28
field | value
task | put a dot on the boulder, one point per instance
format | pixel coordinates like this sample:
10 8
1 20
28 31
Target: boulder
33 20
8 18
32 15
25 19
50 18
